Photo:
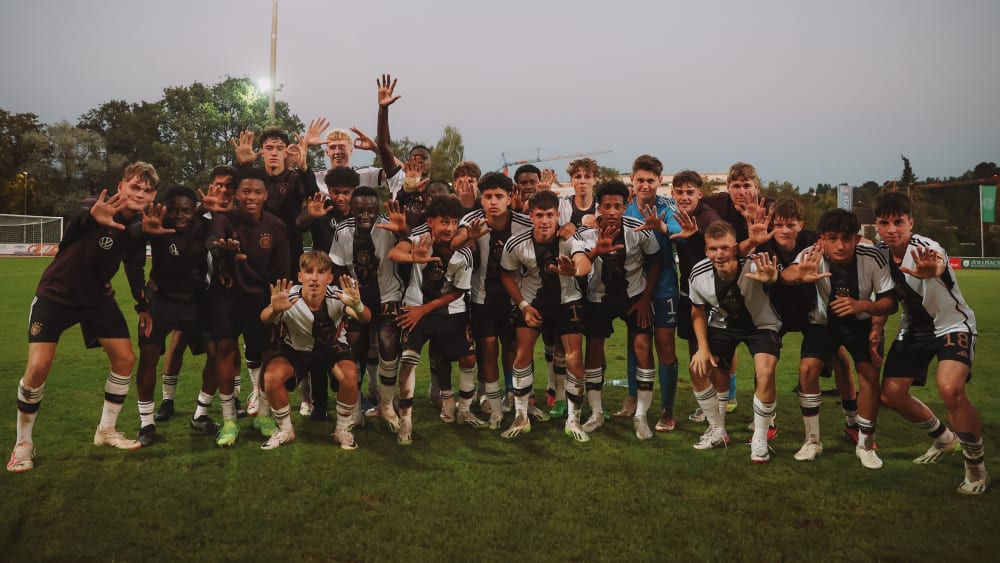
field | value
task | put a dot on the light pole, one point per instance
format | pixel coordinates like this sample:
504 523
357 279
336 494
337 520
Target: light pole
274 60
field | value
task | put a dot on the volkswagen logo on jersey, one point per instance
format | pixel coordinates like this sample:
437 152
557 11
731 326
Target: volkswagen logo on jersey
106 242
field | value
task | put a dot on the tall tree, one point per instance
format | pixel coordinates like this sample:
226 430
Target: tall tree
907 179
447 153
22 144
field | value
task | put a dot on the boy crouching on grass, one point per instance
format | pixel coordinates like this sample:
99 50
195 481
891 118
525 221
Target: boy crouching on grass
310 314
730 305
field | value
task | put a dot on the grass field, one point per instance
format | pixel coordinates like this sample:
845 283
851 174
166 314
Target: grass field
459 494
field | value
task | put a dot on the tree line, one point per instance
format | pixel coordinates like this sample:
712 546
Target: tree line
47 169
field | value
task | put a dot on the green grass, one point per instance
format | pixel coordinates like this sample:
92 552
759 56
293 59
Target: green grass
462 494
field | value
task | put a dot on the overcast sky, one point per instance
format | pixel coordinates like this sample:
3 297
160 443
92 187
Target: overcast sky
809 92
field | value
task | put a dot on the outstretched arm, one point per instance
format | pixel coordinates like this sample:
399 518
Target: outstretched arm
386 86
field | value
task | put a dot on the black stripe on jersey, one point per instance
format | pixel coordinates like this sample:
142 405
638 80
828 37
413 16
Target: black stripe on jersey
521 219
873 253
632 222
420 229
345 224
516 240
330 291
700 268
297 292
466 253
474 214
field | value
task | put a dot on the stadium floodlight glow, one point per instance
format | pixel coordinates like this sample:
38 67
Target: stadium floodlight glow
264 85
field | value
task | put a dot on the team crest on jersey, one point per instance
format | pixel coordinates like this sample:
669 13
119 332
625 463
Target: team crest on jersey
436 274
36 328
173 250
265 241
363 257
333 223
106 242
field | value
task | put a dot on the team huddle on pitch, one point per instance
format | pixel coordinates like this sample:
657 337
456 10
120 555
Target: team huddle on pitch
478 269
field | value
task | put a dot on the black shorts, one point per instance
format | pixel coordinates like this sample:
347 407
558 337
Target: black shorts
685 326
493 320
723 342
449 335
48 320
383 315
320 360
185 315
566 318
601 318
232 315
912 355
822 341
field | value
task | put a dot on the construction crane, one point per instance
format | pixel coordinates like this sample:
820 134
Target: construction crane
538 158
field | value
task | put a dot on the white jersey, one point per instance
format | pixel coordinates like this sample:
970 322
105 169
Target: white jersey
740 304
521 257
365 265
371 176
868 275
568 212
299 321
622 270
395 183
432 280
930 305
489 249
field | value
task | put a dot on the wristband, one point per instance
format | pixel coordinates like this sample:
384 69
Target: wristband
523 305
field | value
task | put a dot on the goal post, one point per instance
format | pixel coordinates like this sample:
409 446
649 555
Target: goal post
29 235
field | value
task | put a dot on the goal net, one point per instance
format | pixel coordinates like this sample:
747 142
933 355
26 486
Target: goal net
30 235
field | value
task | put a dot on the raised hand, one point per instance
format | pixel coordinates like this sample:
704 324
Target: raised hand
296 153
767 268
414 171
688 225
152 220
653 222
104 209
564 266
386 86
809 265
759 224
422 249
212 201
349 294
316 205
314 134
280 301
397 219
477 228
927 263
362 142
548 178
466 192
516 203
244 148
606 240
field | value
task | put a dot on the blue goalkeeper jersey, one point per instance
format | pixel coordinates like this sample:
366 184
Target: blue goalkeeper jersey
666 286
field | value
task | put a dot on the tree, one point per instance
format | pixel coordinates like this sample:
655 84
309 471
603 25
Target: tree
22 143
907 179
187 131
447 153
988 170
608 173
